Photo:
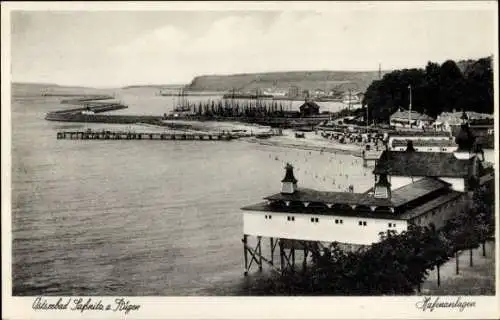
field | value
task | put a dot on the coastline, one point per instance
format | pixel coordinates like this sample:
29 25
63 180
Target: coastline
334 148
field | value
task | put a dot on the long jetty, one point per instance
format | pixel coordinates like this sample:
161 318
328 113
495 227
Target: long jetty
89 110
120 135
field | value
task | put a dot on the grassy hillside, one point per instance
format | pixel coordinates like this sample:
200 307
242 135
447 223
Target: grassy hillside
340 80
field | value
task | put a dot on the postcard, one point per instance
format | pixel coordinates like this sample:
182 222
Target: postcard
250 160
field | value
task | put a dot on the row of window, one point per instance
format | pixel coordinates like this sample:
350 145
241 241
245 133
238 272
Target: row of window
422 149
337 221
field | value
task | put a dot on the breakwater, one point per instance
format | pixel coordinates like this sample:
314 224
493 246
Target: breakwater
85 99
90 109
121 135
95 118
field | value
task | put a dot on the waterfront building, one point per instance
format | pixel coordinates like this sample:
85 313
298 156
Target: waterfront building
410 187
481 124
446 120
410 119
423 141
309 108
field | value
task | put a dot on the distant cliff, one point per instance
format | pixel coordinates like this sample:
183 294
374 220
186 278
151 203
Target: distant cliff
304 80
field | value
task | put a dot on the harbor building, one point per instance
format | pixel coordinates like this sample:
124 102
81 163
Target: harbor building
410 187
309 108
410 119
423 141
451 121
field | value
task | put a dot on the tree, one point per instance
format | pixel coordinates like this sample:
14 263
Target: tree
435 89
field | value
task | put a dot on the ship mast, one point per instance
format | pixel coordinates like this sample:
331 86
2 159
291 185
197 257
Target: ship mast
409 112
349 104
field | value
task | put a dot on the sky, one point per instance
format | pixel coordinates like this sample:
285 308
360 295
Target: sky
118 48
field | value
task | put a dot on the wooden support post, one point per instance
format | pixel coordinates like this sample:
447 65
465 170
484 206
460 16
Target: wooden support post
484 248
282 258
470 262
260 252
272 251
245 253
456 263
438 277
293 256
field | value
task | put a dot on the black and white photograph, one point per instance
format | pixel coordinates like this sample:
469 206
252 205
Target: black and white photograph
249 149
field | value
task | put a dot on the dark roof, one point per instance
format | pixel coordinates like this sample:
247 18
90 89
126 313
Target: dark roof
400 196
423 164
427 206
342 212
414 116
289 177
416 190
347 198
309 104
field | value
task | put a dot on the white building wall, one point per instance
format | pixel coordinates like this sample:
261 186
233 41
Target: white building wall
440 215
416 136
349 231
457 184
425 149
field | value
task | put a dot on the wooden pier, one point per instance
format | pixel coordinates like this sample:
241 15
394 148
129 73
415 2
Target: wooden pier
116 135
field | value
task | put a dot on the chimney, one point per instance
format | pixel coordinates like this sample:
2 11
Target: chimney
382 189
289 183
409 146
465 140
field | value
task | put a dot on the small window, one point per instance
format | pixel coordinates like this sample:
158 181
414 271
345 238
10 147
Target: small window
364 223
336 220
341 221
312 219
360 223
266 216
394 225
316 219
293 218
270 216
288 218
390 225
